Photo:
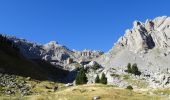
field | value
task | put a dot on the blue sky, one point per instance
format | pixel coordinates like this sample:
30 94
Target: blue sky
78 24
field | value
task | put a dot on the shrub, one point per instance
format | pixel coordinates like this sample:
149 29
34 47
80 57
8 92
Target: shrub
103 79
81 77
129 87
97 80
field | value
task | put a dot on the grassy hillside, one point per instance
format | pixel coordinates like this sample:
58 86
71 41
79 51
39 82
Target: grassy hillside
87 92
36 69
12 62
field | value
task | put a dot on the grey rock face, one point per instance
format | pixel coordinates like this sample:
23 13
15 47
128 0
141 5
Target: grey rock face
147 44
53 52
144 36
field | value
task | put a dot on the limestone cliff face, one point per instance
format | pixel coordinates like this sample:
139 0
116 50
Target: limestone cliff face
148 35
147 44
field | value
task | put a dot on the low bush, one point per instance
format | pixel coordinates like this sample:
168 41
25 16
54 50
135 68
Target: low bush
129 87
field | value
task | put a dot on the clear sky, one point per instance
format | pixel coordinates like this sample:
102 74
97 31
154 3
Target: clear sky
78 24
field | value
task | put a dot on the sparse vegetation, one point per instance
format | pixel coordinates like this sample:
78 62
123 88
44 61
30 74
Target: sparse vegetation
126 77
87 92
137 82
115 75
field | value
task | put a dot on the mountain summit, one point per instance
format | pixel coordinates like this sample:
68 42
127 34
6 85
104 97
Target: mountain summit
147 44
148 35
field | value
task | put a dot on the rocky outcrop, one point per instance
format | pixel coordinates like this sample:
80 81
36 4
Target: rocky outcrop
148 35
53 52
87 55
147 44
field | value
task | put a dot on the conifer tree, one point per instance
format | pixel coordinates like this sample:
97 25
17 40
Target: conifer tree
103 79
81 77
129 70
97 80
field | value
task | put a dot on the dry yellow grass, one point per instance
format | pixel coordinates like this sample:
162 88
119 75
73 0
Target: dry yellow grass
87 92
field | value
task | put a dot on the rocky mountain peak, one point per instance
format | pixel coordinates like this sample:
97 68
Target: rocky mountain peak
146 44
148 35
51 45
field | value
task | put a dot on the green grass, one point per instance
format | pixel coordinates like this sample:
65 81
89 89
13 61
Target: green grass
115 75
126 77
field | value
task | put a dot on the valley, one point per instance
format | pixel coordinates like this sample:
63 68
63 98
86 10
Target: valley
136 68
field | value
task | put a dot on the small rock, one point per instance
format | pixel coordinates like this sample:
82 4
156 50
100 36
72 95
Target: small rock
28 78
96 98
69 84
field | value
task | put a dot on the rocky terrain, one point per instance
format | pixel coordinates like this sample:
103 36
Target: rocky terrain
146 44
139 59
53 52
12 84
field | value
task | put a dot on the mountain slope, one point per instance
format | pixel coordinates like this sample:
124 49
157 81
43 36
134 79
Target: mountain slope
12 62
52 52
147 44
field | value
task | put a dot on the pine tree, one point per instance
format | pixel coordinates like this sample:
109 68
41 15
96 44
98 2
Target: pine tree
81 77
129 69
134 69
78 78
103 79
97 80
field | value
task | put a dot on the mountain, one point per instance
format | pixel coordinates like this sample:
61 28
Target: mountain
147 44
13 62
53 52
146 48
139 60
